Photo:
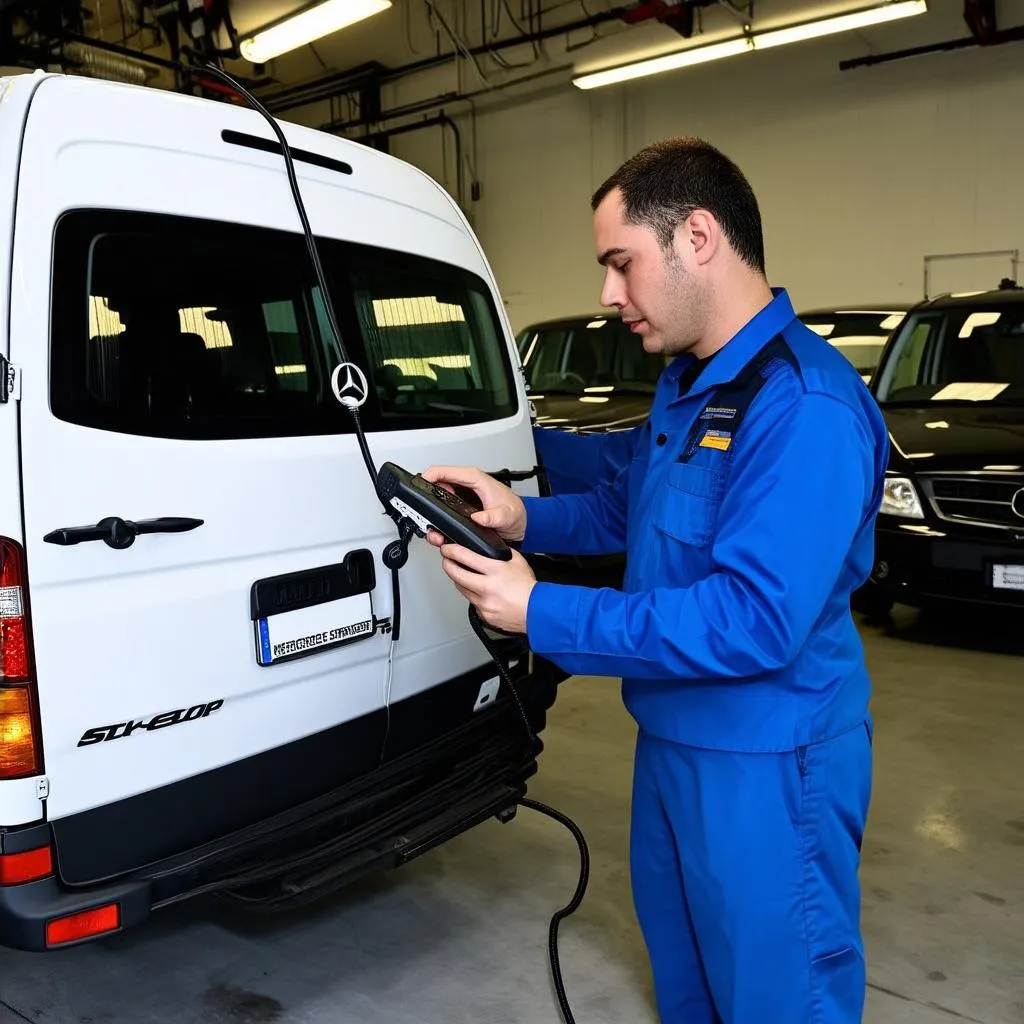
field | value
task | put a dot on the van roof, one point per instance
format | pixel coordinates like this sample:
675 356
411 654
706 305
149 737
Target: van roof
241 128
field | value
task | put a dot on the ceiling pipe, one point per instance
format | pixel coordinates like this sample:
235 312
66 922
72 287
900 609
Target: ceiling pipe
334 84
1009 35
442 100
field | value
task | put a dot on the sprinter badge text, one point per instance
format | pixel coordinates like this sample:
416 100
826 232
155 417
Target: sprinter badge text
105 733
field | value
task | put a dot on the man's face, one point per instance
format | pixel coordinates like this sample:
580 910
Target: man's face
653 288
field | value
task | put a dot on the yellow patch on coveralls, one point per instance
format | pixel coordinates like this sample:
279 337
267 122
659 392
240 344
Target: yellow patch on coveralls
720 439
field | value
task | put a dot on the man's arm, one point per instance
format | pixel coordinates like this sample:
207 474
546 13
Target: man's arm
592 522
795 503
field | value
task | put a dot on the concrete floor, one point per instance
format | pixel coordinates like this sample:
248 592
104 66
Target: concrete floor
460 936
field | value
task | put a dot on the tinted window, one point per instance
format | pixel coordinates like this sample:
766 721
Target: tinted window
570 356
172 327
972 354
859 335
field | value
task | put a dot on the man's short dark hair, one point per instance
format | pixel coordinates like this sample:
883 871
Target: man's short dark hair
664 183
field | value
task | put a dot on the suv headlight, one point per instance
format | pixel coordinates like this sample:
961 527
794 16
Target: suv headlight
900 498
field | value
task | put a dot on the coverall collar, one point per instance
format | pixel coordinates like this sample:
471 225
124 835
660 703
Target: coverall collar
739 349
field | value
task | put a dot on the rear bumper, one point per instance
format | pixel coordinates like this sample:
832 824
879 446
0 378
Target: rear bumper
944 566
382 819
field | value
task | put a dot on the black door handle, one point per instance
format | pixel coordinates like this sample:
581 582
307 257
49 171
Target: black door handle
120 533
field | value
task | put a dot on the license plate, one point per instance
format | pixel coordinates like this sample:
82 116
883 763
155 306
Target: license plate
311 630
1008 577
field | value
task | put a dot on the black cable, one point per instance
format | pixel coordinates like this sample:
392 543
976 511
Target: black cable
396 554
571 907
481 631
535 805
314 255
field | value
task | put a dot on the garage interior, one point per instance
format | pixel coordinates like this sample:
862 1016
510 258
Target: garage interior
885 161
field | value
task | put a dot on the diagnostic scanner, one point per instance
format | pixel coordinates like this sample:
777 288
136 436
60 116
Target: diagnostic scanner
429 505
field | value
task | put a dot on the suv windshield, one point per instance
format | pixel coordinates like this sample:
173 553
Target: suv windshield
570 355
859 334
969 354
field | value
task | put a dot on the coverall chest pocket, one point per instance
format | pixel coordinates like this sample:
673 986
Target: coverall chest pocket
686 506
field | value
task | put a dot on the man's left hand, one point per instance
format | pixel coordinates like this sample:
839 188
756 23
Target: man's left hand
500 591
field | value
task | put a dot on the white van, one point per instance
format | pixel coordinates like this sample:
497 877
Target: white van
195 618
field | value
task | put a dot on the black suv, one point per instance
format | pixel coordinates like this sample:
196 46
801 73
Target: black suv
951 386
586 374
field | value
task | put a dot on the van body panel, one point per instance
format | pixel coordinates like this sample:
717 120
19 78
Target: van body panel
15 94
19 802
133 640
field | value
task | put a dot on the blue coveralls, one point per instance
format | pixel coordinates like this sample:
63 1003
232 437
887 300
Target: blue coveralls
747 513
578 462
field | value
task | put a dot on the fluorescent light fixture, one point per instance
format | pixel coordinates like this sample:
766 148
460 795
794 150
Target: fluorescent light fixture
427 366
890 11
306 26
424 309
670 62
860 341
978 320
968 391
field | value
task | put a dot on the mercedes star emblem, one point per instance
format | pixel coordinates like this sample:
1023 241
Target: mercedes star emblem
349 385
1017 503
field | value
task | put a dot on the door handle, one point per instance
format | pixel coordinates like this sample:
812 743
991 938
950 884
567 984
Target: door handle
120 533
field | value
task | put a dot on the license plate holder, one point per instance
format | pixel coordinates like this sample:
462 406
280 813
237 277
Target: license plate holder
299 614
1008 577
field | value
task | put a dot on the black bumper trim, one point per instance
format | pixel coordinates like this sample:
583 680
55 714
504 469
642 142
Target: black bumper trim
447 771
924 569
25 909
30 837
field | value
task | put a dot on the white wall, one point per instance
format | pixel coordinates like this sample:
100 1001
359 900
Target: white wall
860 174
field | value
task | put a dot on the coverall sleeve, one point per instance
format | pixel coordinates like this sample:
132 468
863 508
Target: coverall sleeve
593 523
575 463
796 499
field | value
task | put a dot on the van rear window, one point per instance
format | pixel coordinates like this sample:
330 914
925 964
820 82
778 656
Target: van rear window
174 327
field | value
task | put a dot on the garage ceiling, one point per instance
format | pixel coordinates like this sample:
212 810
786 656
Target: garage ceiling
587 33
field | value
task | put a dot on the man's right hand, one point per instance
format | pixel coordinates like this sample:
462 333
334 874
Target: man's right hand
503 510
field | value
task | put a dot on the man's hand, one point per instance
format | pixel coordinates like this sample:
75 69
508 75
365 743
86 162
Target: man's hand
503 509
500 591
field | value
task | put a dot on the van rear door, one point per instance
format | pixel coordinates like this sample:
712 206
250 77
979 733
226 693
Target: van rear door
177 372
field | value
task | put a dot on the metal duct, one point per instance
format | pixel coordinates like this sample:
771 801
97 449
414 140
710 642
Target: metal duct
97 64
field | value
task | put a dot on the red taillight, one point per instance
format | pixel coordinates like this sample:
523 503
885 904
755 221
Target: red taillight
14 666
83 925
16 868
19 725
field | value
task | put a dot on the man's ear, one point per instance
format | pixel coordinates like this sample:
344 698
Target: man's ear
703 235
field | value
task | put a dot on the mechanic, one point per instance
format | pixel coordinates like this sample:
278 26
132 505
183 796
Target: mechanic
746 510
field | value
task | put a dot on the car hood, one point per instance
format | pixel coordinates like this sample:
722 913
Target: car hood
941 438
581 412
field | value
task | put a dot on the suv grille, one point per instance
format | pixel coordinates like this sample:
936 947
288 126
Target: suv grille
976 499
